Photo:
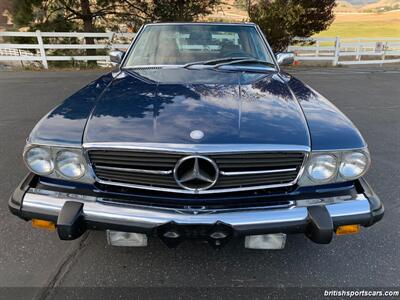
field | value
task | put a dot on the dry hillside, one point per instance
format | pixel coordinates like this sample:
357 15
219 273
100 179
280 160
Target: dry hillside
344 6
389 4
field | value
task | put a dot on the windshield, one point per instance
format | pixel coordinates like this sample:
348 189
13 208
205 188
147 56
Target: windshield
181 44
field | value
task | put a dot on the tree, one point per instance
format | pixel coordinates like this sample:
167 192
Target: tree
40 15
282 20
64 15
88 15
171 10
182 10
95 15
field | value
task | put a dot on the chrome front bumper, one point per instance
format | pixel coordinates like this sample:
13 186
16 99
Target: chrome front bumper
353 211
317 221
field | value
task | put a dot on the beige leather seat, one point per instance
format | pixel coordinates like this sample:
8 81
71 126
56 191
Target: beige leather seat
168 51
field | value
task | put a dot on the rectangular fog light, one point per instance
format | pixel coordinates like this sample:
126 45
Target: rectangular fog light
126 239
266 241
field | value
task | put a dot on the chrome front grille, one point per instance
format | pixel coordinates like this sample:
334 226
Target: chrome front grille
237 171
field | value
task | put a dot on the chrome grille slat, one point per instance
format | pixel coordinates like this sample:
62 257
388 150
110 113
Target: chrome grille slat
257 176
128 178
255 160
257 165
138 179
154 170
257 172
130 164
149 181
240 179
222 184
109 153
136 159
128 170
259 154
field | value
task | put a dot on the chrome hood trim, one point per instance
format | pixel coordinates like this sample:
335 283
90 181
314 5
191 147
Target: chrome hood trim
198 148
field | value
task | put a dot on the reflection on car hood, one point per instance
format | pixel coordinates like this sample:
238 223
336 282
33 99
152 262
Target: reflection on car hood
166 105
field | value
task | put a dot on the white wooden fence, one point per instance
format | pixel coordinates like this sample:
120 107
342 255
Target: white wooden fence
335 50
348 51
42 50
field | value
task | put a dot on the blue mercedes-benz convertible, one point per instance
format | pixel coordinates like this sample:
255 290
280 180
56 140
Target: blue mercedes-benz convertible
197 134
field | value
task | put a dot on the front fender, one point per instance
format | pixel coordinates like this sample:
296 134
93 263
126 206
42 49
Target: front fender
329 128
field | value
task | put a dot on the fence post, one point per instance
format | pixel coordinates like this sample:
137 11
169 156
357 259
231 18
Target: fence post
22 62
337 52
317 50
385 47
41 49
111 37
110 40
358 50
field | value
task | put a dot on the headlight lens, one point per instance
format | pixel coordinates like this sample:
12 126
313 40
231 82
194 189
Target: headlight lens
39 160
322 168
70 164
353 165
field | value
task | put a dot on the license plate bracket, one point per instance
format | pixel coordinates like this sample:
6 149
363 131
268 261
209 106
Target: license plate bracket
173 234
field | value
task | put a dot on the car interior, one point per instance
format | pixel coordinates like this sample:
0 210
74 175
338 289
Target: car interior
172 47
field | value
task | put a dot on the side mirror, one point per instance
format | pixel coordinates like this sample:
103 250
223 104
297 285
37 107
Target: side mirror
116 56
285 58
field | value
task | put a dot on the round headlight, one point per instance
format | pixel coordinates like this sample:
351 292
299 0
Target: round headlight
39 160
322 168
353 165
70 164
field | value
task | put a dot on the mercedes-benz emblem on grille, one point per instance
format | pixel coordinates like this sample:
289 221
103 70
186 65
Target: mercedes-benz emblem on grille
196 173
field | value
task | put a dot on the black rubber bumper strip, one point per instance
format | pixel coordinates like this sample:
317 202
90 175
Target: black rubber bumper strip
15 201
320 228
70 221
377 207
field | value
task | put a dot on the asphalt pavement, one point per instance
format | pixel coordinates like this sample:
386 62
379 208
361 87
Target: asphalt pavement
35 258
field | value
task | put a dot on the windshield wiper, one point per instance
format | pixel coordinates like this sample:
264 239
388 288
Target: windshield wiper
246 61
215 61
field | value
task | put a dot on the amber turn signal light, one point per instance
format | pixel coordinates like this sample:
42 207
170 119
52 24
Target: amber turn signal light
43 224
348 229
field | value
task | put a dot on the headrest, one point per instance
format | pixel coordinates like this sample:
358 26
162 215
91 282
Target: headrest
201 36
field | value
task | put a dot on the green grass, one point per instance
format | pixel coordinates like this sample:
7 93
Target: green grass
373 25
362 29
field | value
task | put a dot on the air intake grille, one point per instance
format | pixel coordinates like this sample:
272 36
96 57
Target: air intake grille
154 170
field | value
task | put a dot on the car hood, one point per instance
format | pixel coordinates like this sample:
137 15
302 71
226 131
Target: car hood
166 105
